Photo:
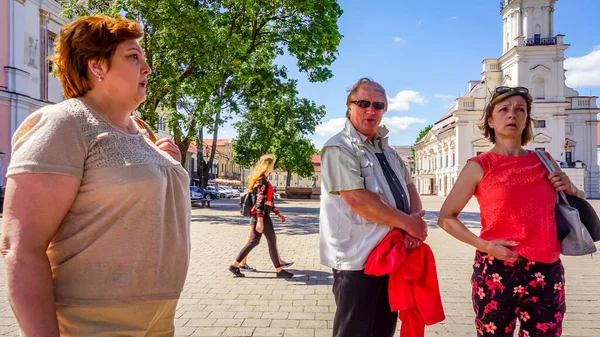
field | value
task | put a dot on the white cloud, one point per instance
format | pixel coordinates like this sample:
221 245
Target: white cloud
397 39
420 22
402 100
453 18
400 124
584 70
330 127
445 98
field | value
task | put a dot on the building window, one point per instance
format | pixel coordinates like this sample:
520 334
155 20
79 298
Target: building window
539 123
540 88
569 129
161 123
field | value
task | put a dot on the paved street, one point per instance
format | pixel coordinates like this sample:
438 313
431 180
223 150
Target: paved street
216 304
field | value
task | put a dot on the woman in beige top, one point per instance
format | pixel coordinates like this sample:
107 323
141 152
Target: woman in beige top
96 223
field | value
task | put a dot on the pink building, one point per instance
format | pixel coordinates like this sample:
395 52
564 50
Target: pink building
27 32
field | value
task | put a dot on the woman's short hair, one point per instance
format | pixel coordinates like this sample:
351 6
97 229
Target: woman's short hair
362 83
488 132
94 37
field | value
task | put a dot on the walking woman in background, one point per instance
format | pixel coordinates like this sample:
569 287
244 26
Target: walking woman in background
261 218
517 273
95 234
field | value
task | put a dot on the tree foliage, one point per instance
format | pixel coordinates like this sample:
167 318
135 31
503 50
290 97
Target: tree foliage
422 134
279 124
209 57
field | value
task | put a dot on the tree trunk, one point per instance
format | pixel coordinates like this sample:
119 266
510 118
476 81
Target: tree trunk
200 158
289 178
213 148
183 145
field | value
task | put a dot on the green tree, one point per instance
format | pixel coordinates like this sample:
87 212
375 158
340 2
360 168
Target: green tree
422 134
206 53
279 124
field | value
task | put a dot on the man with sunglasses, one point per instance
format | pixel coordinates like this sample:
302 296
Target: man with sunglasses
366 192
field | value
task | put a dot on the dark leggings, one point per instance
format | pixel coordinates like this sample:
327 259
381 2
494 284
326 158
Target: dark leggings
531 292
269 232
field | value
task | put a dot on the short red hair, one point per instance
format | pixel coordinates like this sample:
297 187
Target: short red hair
94 37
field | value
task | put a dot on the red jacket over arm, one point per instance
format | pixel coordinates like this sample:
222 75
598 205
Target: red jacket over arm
413 288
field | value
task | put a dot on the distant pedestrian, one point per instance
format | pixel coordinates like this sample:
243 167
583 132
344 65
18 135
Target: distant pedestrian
95 232
517 273
259 184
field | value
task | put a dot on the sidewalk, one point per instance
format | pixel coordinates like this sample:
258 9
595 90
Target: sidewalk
216 304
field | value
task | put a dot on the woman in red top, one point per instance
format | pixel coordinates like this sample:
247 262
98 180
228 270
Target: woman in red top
259 185
517 272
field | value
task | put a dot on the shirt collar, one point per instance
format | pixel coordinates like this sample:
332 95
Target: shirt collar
380 134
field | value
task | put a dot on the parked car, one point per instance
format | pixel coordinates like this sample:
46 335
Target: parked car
197 193
212 191
235 191
225 191
210 194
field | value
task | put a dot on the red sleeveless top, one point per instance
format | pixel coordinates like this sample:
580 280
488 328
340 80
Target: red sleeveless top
517 203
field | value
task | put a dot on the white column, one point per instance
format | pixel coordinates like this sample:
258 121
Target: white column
545 21
552 21
44 55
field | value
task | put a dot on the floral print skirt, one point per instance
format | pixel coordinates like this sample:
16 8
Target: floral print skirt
530 291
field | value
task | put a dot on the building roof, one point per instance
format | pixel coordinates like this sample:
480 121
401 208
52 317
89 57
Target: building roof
220 142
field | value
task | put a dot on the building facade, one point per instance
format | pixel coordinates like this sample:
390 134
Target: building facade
278 177
27 32
405 153
565 123
223 168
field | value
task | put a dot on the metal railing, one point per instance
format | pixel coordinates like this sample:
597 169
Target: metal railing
504 3
542 41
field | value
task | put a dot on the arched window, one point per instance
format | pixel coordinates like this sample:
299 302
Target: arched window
539 87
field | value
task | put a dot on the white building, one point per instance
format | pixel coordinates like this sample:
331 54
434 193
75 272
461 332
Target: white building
27 32
405 153
533 57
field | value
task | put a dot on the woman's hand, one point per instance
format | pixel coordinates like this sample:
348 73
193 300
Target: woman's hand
169 147
260 224
500 249
561 182
281 217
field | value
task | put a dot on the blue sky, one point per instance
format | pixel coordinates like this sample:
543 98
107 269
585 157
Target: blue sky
425 52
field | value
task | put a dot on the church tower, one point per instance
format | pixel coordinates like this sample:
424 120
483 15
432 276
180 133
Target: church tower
533 56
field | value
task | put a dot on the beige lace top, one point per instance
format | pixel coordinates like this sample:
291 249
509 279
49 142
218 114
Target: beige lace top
126 237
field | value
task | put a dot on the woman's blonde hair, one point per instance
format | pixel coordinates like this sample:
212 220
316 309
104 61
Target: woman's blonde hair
368 83
261 166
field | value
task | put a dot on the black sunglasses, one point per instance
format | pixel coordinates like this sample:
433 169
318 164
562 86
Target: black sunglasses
365 104
519 90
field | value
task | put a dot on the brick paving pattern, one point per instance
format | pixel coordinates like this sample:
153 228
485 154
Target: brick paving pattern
216 304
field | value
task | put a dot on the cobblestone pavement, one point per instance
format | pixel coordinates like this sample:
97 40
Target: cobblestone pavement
216 304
